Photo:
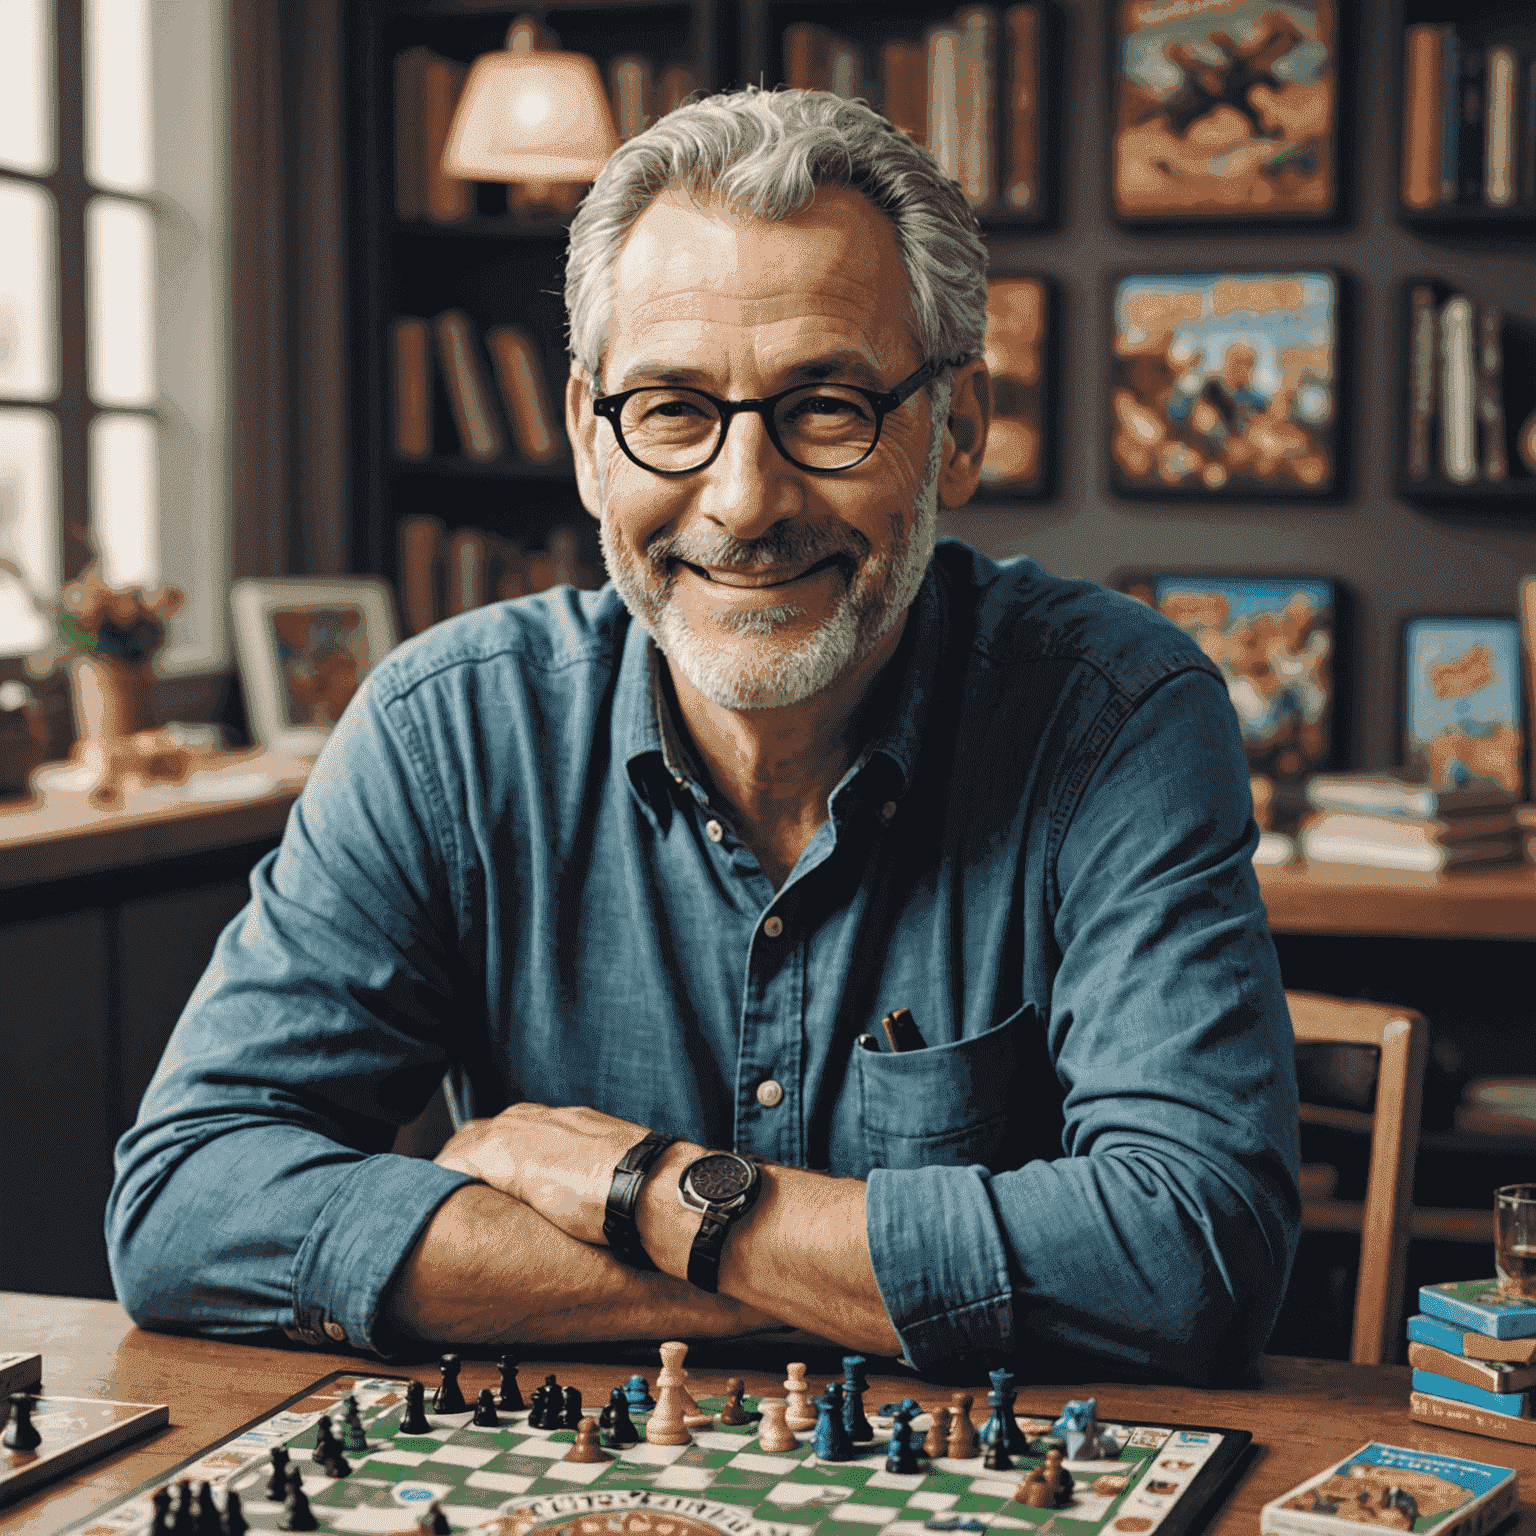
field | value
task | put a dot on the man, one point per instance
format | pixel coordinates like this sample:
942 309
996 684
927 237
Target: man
661 858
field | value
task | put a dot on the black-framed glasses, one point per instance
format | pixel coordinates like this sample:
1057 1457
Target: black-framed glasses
823 428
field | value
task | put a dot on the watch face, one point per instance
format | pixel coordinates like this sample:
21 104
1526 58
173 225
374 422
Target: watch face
719 1178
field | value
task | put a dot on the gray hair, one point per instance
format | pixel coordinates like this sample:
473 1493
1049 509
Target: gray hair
765 153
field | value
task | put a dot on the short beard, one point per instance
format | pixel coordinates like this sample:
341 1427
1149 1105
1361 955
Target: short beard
878 590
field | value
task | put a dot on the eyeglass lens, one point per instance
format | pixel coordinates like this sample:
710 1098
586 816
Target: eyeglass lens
822 426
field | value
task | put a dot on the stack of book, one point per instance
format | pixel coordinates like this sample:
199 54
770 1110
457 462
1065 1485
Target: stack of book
1387 822
1473 1353
1456 418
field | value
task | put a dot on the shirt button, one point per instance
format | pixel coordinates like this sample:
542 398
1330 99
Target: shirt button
773 927
335 1331
887 810
713 831
769 1094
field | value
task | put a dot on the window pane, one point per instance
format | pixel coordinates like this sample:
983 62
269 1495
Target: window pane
29 295
26 85
29 525
120 271
125 497
117 99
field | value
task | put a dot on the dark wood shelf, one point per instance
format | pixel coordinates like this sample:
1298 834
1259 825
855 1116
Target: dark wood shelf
1438 489
500 469
1469 216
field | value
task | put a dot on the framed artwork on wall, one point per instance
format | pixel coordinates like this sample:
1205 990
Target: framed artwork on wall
1224 111
1276 640
1225 385
1018 342
1463 714
304 644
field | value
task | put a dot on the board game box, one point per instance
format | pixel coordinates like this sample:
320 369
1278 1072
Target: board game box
1481 1306
513 1479
1389 1486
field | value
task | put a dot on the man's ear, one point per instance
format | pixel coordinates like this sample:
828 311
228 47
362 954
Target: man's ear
581 428
965 439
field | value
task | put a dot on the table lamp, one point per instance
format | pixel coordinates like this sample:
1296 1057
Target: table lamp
534 116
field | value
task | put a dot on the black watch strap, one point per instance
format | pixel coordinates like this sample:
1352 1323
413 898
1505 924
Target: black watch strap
704 1256
619 1229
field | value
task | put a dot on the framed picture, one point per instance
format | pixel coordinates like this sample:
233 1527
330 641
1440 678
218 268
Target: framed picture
1018 336
1225 385
1277 642
304 644
1463 717
1224 110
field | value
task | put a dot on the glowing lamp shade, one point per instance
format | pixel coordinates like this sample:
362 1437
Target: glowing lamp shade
531 116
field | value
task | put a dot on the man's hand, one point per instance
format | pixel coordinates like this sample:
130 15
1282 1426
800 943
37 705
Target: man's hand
559 1161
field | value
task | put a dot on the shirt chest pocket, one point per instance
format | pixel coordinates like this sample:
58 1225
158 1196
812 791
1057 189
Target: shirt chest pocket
949 1104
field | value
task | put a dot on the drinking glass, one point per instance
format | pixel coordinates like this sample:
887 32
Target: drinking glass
1514 1239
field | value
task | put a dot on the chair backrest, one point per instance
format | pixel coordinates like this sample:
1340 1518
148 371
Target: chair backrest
1402 1037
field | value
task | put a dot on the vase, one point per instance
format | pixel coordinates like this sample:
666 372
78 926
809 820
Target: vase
111 698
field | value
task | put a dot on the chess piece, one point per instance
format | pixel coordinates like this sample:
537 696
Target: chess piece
235 1523
995 1457
899 1455
206 1520
638 1391
336 1464
433 1521
666 1426
21 1434
798 1413
325 1439
160 1521
1002 1422
854 1386
733 1412
585 1446
694 1417
832 1442
616 1423
1033 1490
414 1420
1057 1479
538 1407
448 1398
296 1515
547 1403
774 1434
509 1398
277 1479
353 1436
962 1433
936 1441
570 1417
485 1410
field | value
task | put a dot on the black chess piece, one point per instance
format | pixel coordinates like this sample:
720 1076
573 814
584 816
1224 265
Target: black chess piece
21 1434
277 1480
571 1417
854 1387
996 1458
184 1511
448 1398
435 1521
160 1523
235 1523
207 1522
1001 1399
297 1515
509 1398
733 1411
336 1463
414 1420
899 1455
485 1410
615 1421
353 1437
537 1406
325 1439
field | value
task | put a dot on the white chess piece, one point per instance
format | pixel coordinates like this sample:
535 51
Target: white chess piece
666 1425
798 1412
774 1435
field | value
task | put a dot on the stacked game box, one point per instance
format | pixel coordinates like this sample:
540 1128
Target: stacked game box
1473 1353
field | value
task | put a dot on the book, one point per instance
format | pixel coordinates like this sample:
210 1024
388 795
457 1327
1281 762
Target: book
1490 392
942 46
677 85
1448 1413
1447 1494
805 56
445 198
536 433
845 68
421 549
629 89
1421 404
1327 847
1421 117
976 77
904 88
1416 831
1469 157
1458 391
467 572
1491 1375
1424 1329
1021 108
1499 168
410 158
1450 113
1515 1404
1390 794
413 387
479 433
1481 1306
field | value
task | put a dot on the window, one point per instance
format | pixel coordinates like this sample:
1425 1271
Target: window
113 308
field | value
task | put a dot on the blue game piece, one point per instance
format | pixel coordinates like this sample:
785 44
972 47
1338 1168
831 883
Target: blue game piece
899 1455
854 1386
638 1391
832 1441
1001 1398
1079 1430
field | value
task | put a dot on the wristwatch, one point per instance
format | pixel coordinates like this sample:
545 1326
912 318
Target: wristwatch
619 1229
722 1186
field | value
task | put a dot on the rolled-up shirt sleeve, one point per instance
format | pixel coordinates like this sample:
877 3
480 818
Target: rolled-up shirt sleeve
1162 1239
256 1191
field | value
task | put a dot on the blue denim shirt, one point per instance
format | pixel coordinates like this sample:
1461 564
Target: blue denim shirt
502 866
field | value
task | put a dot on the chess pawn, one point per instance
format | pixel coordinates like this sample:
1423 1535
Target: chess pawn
666 1425
936 1441
413 1419
325 1438
585 1447
353 1437
1057 1478
448 1398
335 1464
798 1413
297 1515
616 1422
206 1521
962 1433
434 1522
22 1435
734 1412
277 1479
160 1522
774 1434
509 1398
1033 1490
637 1390
571 1416
485 1410
235 1523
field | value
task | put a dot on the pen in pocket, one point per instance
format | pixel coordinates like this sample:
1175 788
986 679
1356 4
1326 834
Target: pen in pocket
901 1030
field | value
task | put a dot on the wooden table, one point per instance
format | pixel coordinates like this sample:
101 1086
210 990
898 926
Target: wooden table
1307 1414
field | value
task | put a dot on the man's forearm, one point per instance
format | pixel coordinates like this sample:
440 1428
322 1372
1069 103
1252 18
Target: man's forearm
490 1270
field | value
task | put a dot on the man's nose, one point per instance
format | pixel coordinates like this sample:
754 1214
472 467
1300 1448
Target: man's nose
751 485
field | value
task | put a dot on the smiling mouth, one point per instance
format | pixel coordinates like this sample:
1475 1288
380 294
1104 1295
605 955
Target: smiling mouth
745 581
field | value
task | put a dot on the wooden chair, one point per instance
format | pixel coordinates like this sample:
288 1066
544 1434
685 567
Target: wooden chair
1383 1221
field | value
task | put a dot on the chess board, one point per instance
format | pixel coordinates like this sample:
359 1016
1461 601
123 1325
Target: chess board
721 1484
74 1430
